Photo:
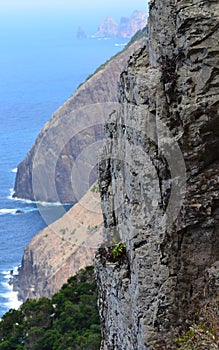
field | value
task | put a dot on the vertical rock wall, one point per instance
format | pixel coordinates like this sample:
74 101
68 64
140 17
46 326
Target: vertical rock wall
159 180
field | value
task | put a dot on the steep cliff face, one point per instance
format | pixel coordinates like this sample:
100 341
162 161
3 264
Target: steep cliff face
61 250
159 180
54 160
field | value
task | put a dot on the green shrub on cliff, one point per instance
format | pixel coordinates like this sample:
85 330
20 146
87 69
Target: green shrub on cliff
70 320
118 250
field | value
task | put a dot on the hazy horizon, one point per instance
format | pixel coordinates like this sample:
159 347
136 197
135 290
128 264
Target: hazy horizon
112 6
85 12
20 18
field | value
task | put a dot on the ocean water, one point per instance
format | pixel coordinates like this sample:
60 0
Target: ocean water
41 63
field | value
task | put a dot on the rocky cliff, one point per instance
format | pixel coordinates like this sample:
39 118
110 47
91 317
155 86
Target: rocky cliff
107 28
55 167
125 29
129 26
61 249
159 181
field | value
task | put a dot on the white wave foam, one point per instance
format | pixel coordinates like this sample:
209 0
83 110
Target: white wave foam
10 296
14 170
7 274
22 200
120 45
16 270
11 192
50 204
7 211
43 203
17 211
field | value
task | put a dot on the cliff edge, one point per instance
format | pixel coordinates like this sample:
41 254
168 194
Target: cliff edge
61 249
59 167
159 173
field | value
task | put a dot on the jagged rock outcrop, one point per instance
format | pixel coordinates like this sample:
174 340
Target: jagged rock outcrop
53 170
107 28
61 249
129 26
81 33
159 181
125 29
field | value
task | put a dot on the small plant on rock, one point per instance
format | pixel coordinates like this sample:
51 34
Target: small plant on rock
95 188
118 250
92 229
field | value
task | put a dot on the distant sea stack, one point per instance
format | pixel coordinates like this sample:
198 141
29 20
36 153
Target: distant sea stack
51 165
81 33
107 28
127 27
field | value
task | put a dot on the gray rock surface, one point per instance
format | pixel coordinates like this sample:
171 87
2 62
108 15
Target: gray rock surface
159 181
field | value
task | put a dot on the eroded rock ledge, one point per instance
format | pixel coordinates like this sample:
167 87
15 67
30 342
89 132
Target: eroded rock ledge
159 180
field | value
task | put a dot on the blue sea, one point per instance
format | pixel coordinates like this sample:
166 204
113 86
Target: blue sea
41 65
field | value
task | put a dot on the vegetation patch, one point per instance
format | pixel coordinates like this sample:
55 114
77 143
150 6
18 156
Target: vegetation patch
118 250
116 253
203 334
92 229
95 188
70 320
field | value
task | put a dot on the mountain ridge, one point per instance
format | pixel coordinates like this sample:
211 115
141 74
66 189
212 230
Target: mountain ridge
126 28
66 245
52 157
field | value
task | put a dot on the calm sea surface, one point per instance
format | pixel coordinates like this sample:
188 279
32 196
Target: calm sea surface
41 65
